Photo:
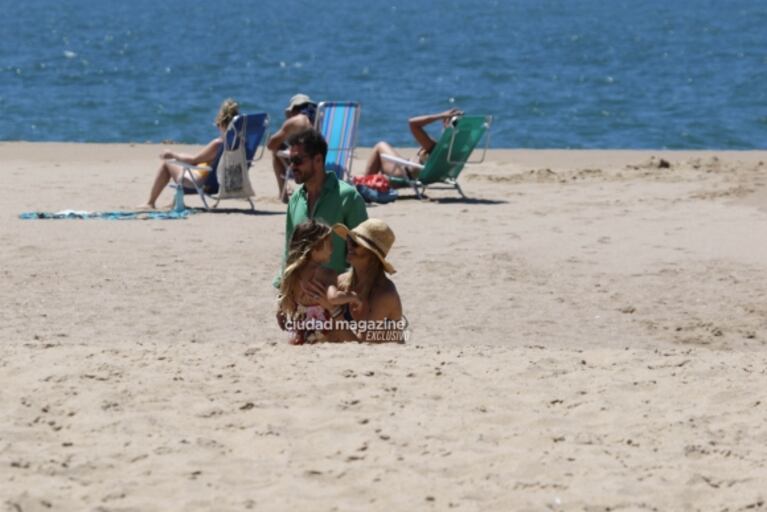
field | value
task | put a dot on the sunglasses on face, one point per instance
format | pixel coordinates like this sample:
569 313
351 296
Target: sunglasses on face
299 159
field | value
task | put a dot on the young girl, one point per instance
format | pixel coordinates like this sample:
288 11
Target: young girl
310 248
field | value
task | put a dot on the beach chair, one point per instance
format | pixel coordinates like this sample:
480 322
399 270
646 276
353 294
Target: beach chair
448 157
338 122
229 177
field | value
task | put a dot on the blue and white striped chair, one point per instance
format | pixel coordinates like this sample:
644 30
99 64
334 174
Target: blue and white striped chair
338 122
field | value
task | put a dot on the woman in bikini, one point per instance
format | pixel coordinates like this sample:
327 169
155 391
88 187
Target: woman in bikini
378 315
209 154
376 164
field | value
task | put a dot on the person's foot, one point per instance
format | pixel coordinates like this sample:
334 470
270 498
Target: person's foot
145 207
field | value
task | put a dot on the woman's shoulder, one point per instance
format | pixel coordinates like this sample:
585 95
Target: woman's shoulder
385 300
215 144
385 289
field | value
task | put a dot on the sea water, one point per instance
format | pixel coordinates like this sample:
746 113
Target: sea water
552 73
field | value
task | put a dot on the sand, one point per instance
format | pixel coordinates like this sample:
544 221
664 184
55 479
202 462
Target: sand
588 332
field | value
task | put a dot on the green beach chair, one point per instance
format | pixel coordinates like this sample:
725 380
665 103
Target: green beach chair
448 157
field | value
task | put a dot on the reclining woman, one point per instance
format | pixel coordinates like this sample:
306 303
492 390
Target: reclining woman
376 164
209 154
379 309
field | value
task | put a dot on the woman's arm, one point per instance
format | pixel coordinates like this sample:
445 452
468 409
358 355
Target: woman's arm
207 154
337 297
417 127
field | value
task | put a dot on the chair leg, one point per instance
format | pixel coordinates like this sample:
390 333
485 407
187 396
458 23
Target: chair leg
204 201
417 192
252 206
197 187
460 191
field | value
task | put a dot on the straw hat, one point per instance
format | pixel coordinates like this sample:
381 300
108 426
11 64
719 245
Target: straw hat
374 235
297 101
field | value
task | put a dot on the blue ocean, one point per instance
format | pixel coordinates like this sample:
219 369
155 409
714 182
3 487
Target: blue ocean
553 73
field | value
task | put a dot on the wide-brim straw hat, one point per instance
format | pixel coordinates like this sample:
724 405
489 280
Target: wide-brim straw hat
297 101
374 235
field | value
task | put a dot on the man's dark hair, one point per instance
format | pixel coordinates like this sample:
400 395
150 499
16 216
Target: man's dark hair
311 140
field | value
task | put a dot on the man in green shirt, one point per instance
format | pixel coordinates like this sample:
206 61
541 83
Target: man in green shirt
320 196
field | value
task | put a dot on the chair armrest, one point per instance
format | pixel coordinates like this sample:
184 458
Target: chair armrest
190 166
402 161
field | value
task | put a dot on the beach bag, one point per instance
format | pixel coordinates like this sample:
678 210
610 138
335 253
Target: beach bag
232 173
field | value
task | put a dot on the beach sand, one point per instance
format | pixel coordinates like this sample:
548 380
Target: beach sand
587 332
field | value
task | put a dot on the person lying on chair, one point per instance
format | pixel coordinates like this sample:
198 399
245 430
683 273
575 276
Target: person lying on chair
209 154
376 164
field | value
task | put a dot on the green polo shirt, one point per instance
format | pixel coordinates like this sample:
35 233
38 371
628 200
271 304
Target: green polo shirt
338 202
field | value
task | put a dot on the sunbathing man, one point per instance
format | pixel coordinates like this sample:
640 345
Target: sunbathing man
299 115
376 164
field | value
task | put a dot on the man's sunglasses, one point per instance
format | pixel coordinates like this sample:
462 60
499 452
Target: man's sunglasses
296 160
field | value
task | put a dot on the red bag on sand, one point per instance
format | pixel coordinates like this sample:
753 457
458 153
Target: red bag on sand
378 182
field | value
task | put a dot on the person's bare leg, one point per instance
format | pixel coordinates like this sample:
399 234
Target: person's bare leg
278 164
376 164
164 174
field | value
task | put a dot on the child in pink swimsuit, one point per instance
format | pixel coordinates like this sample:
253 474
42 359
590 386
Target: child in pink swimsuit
303 316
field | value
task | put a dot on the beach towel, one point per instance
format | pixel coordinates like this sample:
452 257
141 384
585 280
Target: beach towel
114 215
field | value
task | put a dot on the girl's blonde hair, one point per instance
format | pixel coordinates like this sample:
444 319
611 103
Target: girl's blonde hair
307 236
228 111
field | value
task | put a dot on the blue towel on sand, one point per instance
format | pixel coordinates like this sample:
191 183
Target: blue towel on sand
117 215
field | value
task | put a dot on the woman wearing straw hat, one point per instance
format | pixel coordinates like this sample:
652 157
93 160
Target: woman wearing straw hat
379 317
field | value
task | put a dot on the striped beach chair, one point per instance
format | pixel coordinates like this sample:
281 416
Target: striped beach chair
338 122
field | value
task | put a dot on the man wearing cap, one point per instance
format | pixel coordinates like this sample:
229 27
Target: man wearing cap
299 115
320 195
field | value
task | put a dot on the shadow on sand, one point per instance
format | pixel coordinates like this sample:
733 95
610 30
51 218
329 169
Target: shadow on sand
239 211
451 200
